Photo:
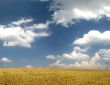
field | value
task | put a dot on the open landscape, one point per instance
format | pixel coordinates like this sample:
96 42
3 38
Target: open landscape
53 76
54 42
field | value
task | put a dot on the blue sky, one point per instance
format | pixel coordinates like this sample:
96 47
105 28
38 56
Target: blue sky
56 33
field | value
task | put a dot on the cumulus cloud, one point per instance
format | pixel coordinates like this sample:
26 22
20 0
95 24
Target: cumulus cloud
95 59
79 49
105 54
15 34
51 57
57 63
94 37
80 55
84 63
67 12
91 63
5 60
29 66
22 21
100 60
40 26
76 56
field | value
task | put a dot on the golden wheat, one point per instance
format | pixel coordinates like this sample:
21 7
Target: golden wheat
52 76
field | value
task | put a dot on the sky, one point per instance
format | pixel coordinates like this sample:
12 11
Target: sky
55 33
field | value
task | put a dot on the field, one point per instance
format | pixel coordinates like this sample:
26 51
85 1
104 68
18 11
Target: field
53 76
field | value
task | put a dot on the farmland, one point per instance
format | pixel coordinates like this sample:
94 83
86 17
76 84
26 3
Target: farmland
53 76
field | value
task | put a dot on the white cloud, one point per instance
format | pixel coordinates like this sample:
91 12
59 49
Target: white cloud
100 60
91 63
94 37
51 57
60 17
84 63
29 66
79 49
40 26
5 60
22 21
95 59
16 35
105 54
80 55
76 56
67 12
56 64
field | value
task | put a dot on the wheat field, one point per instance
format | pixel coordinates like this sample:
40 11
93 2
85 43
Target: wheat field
53 76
